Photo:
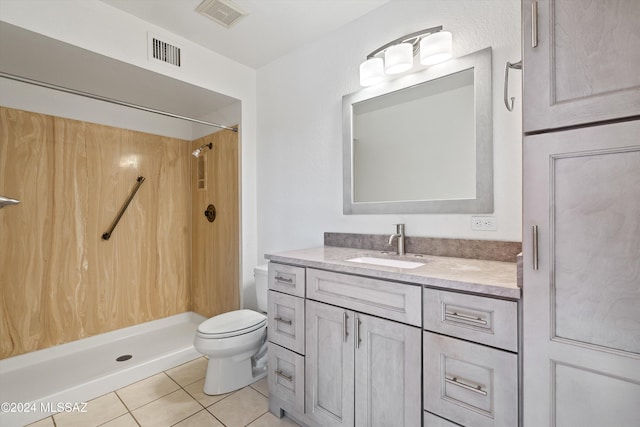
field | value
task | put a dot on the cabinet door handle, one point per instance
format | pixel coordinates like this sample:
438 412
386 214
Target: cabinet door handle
282 320
357 337
456 381
534 231
464 317
285 376
283 279
534 23
345 331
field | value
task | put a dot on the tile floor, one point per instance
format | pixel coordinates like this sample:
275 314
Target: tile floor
174 398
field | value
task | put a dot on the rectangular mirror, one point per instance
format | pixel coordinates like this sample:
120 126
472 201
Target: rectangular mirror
421 143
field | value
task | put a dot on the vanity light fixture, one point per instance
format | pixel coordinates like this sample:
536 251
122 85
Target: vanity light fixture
435 46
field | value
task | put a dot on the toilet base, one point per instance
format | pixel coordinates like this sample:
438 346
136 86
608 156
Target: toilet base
224 375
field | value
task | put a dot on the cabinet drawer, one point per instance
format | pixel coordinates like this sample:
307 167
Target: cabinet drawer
431 420
391 300
488 321
287 279
286 377
468 383
286 321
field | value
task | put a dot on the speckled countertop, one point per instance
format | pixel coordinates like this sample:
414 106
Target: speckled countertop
491 278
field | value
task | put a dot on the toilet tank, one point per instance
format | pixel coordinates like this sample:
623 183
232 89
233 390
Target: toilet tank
261 273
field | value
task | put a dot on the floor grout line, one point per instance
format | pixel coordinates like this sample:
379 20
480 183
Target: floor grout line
179 387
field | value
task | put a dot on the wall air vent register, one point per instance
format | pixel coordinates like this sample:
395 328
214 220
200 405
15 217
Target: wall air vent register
163 51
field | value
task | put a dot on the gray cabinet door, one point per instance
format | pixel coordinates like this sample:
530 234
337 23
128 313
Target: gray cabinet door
586 64
468 383
388 366
329 364
582 303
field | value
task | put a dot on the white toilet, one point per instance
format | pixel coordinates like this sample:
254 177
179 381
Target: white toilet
236 344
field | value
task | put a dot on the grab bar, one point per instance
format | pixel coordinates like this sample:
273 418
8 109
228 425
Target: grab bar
107 234
7 201
516 66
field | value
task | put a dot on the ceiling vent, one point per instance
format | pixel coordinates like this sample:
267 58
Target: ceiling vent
224 12
164 51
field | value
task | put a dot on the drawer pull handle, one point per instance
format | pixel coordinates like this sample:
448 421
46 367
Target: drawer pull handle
534 231
345 331
285 376
283 279
283 320
465 317
455 381
357 337
534 24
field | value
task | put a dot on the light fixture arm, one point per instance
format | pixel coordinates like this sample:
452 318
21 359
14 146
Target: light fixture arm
413 38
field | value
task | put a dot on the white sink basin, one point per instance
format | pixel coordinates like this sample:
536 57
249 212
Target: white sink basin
387 262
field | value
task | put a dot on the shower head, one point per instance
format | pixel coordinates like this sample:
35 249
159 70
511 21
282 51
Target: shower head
5 201
197 151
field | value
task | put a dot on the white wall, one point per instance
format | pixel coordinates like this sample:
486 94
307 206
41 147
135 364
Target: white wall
299 125
97 27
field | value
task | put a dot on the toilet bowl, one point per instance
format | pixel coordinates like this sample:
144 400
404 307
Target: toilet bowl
235 343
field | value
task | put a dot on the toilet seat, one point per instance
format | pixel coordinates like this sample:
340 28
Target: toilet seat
232 324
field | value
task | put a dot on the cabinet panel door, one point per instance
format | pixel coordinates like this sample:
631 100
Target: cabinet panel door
484 320
286 377
286 320
581 318
288 279
469 383
391 300
329 375
388 367
585 65
431 420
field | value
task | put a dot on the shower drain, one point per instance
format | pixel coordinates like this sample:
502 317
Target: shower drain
123 358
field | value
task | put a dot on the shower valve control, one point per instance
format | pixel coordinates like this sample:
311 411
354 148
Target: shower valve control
210 213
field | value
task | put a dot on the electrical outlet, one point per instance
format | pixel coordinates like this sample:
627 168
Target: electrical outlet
483 223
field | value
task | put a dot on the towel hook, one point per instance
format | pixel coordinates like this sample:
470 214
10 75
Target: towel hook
515 66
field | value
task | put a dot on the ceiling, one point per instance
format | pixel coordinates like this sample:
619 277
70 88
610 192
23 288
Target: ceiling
269 30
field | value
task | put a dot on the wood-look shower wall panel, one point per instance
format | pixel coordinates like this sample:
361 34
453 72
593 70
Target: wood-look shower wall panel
24 162
215 286
60 281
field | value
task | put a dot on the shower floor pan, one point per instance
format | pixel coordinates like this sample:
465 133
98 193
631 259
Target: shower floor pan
85 369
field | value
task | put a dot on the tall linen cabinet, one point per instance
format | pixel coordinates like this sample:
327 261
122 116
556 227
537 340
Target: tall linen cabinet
581 221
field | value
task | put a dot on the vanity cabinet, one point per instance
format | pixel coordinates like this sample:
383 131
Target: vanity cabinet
468 380
344 351
362 370
580 62
389 350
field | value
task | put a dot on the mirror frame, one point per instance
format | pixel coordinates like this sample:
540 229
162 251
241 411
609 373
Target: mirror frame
480 62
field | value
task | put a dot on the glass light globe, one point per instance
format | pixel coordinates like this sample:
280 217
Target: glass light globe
435 48
371 72
398 58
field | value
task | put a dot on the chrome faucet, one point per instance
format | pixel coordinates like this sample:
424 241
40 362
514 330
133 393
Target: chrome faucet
400 242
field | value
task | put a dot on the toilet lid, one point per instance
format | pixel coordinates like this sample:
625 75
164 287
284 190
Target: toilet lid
233 323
